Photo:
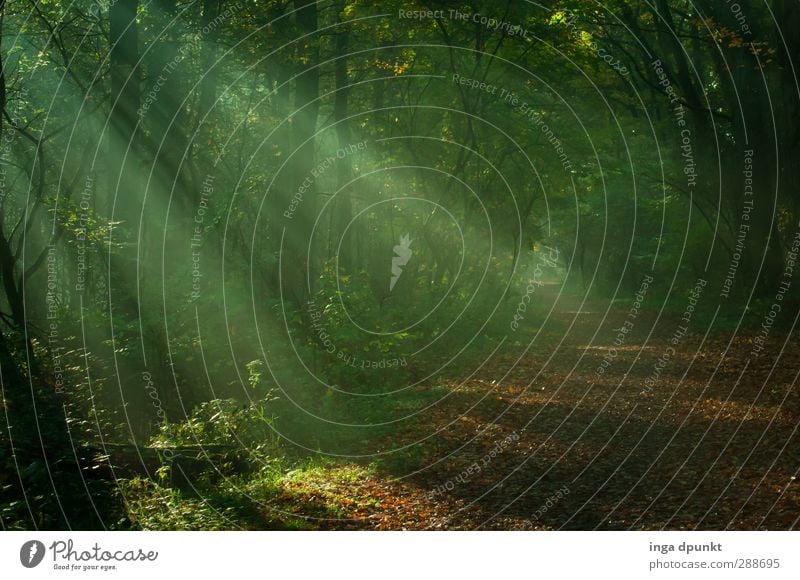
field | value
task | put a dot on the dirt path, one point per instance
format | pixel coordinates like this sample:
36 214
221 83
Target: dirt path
690 432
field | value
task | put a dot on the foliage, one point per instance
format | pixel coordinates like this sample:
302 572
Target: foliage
286 230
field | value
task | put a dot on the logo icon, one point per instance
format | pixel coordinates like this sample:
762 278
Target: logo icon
403 254
32 553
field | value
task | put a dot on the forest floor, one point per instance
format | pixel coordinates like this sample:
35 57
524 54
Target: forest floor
553 444
558 431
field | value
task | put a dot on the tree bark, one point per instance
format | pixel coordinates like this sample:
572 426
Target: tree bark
299 273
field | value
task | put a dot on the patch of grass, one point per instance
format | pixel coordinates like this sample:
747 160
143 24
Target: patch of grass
338 489
152 506
304 497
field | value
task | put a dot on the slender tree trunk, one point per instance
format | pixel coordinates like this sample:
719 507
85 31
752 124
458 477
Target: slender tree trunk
126 198
300 267
344 170
123 167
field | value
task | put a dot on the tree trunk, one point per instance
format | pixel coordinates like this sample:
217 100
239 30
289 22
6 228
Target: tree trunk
343 206
297 262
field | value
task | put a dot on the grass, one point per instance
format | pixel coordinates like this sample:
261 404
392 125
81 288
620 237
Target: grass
309 495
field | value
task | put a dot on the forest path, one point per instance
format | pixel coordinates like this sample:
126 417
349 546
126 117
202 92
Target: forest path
675 431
